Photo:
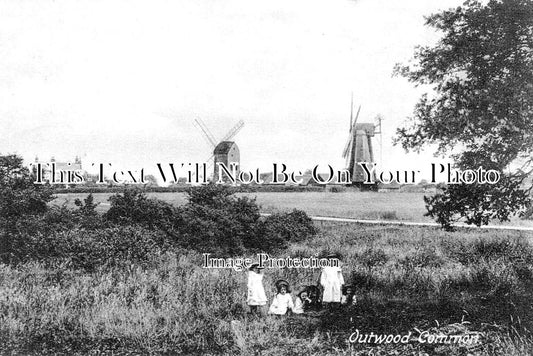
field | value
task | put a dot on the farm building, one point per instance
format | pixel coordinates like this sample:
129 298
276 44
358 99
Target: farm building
391 187
62 169
307 180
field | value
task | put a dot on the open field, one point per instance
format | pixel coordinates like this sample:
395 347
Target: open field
406 206
408 280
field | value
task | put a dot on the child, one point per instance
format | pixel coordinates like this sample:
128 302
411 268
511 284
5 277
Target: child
256 291
302 302
314 295
348 296
282 301
331 280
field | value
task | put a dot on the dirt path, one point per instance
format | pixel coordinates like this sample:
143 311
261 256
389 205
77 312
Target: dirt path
410 223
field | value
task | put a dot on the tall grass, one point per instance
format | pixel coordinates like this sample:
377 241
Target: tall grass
405 278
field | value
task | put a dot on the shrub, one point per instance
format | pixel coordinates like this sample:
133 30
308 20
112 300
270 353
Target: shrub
212 195
134 207
20 240
388 215
86 212
215 221
336 189
90 249
292 227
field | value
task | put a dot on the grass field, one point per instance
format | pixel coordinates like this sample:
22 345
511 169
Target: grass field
407 280
405 206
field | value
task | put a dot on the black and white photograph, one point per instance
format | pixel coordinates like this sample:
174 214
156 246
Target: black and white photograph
251 177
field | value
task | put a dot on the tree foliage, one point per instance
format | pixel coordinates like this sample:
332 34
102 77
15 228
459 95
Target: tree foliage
19 196
480 106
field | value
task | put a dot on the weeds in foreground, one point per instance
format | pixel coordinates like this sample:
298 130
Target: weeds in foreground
418 279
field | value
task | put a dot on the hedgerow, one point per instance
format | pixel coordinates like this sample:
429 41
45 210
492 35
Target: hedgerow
214 220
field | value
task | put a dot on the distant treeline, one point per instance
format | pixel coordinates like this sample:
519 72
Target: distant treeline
183 189
237 189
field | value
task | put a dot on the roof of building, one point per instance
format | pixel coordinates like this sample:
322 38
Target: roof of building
223 147
67 166
307 179
391 185
266 178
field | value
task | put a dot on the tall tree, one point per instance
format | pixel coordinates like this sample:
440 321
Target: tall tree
479 108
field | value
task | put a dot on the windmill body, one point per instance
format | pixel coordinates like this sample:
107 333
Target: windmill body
227 153
359 149
362 151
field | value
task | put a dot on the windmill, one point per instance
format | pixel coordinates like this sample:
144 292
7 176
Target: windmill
359 148
224 151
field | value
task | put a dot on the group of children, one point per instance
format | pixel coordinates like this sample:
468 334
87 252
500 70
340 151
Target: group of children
333 292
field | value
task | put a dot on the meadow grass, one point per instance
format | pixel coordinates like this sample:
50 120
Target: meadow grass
351 204
406 279
406 206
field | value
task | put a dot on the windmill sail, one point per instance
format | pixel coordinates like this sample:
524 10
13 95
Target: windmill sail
349 143
211 160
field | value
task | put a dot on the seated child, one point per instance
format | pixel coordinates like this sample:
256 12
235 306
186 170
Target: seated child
348 295
282 301
302 302
314 295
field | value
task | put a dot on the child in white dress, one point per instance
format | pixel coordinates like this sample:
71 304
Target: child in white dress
256 291
282 302
331 280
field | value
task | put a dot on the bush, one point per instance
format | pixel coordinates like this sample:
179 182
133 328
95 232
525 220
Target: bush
216 221
87 214
213 221
19 240
292 227
388 215
336 189
134 207
106 247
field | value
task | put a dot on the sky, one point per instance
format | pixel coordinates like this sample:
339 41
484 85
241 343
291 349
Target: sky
121 81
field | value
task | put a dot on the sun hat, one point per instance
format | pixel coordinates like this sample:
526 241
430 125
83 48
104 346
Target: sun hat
281 282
